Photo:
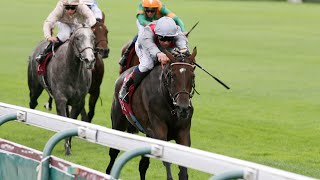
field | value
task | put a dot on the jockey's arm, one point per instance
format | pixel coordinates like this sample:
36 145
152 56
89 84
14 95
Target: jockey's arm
147 41
52 18
142 19
181 41
180 23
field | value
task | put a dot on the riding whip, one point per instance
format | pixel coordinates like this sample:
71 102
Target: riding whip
192 28
212 76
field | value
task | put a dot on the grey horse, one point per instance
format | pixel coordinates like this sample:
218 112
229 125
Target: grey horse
68 76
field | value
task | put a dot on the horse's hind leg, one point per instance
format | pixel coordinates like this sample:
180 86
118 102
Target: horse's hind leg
168 169
48 105
183 174
143 166
35 89
120 123
34 94
113 153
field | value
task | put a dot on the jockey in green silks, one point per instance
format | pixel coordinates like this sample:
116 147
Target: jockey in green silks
149 11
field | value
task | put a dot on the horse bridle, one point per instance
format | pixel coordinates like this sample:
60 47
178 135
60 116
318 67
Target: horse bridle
98 49
81 51
184 91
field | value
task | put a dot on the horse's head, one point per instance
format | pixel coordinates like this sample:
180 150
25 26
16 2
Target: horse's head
101 33
82 41
180 81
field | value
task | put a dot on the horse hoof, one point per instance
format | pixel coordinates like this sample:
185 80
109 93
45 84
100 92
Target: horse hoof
68 152
47 106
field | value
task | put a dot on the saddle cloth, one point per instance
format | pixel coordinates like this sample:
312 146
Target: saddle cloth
42 67
127 108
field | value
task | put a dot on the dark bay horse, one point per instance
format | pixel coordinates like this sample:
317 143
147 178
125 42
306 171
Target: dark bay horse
68 74
162 105
101 51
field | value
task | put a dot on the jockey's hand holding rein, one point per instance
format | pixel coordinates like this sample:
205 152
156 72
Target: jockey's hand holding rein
53 39
162 58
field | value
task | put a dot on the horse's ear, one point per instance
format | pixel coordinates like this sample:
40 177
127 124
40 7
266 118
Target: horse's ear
169 55
193 55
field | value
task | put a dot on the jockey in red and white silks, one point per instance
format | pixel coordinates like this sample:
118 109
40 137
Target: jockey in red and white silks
149 42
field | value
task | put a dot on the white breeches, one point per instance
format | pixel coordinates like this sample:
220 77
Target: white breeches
146 62
64 31
96 11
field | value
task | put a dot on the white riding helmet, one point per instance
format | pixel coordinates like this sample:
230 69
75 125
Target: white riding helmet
87 2
166 26
70 2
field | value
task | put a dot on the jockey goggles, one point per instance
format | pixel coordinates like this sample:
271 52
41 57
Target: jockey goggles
70 7
165 38
149 10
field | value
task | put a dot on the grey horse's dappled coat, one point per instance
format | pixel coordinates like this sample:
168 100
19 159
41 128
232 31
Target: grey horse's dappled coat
68 73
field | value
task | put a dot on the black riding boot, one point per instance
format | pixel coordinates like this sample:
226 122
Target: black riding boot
123 60
134 80
43 55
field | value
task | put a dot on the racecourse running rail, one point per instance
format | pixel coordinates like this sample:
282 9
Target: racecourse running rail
222 166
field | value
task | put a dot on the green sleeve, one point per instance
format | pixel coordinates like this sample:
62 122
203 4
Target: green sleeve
179 22
142 19
165 12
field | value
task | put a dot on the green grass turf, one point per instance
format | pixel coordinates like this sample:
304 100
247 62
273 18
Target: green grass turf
267 52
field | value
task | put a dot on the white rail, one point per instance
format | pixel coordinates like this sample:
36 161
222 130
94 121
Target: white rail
189 157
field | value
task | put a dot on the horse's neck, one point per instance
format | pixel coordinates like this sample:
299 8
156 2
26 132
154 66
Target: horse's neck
159 80
71 59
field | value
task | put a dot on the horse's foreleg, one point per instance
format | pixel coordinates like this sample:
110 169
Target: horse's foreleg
143 166
62 110
84 116
113 153
92 104
184 139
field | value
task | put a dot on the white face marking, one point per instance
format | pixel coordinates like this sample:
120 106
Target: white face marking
182 70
